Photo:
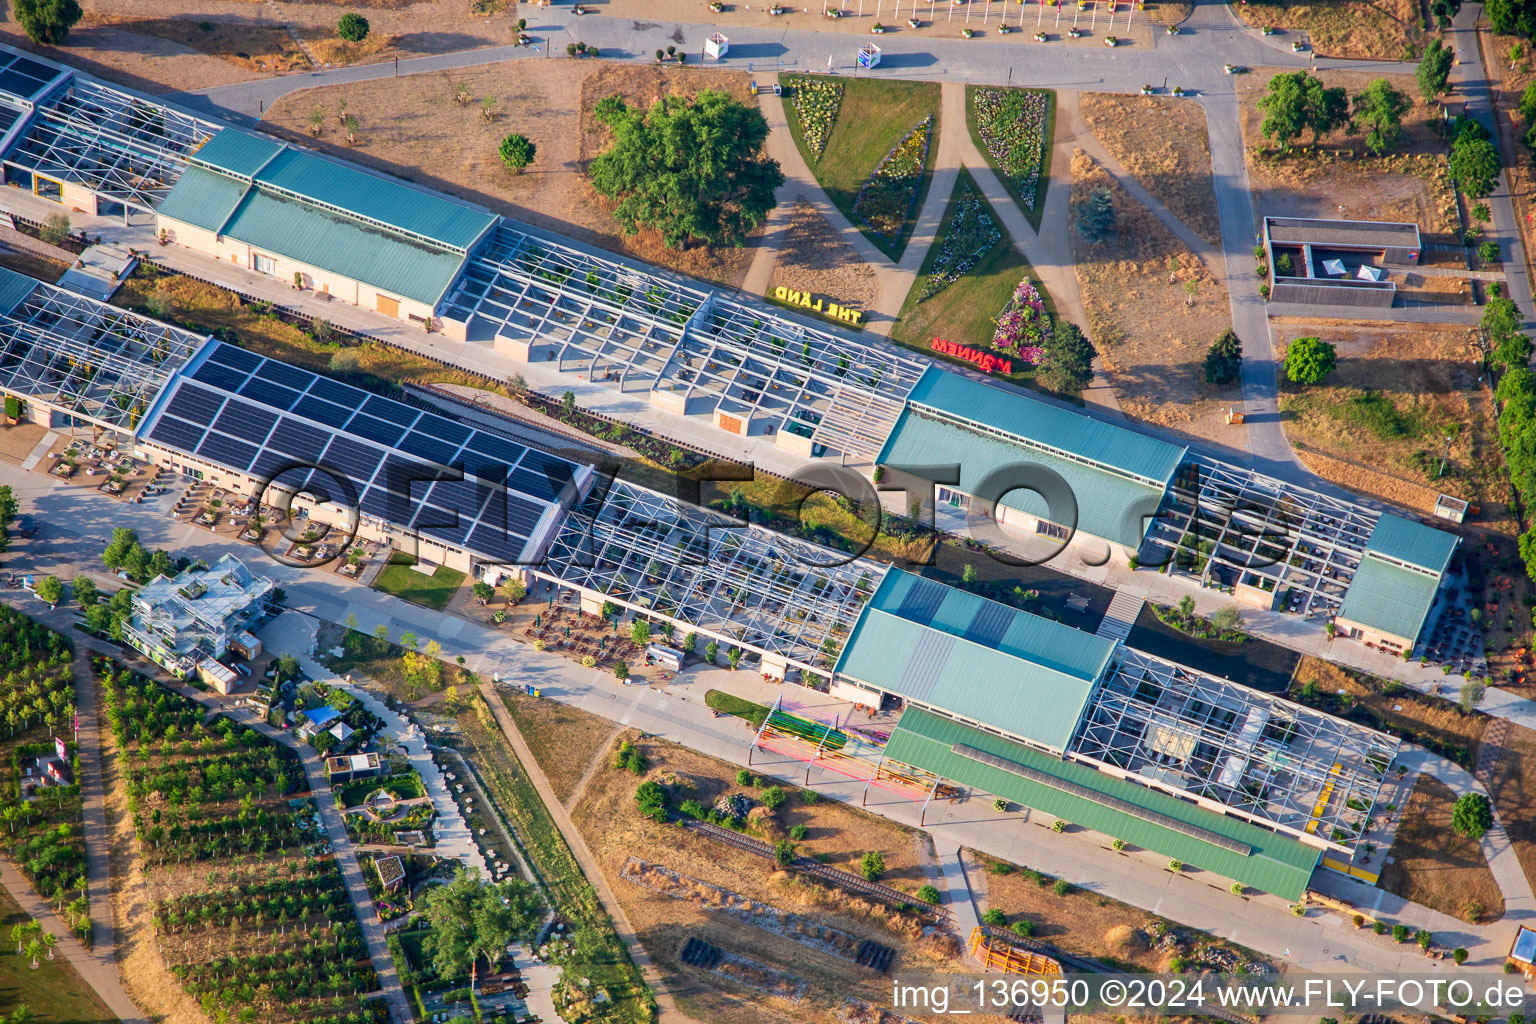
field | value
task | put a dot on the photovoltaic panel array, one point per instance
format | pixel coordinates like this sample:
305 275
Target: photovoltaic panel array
412 469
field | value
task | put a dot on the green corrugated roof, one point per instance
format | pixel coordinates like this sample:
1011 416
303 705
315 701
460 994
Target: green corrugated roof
203 198
385 260
1389 598
1413 543
237 152
1032 419
974 658
14 288
1110 506
1276 863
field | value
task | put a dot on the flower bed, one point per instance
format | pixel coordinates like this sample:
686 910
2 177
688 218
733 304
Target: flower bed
1011 123
885 201
816 103
972 234
1023 324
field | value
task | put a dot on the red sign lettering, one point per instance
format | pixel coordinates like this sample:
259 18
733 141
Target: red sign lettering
985 360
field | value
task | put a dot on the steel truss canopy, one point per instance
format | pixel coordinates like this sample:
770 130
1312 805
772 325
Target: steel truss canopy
643 331
88 359
1231 526
1262 756
121 146
744 584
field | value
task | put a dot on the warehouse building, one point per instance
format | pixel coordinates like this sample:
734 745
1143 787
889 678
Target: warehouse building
1037 468
1397 585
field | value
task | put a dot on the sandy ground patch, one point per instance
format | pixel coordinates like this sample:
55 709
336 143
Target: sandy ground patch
1163 143
812 257
1151 330
1340 178
1432 865
1386 29
414 127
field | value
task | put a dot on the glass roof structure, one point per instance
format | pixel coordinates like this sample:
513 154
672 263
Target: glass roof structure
1263 756
399 466
123 147
84 357
748 584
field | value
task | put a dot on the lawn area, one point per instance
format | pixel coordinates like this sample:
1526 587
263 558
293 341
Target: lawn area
404 787
564 740
1047 135
401 579
1430 864
963 312
874 116
54 991
718 700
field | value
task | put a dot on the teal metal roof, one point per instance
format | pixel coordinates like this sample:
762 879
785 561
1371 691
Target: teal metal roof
203 198
236 152
1274 863
1413 543
305 233
1389 598
14 288
944 648
1109 505
1031 419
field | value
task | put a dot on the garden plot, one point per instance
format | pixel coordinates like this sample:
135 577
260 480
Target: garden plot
1013 127
1162 142
816 102
821 937
889 198
1153 309
973 232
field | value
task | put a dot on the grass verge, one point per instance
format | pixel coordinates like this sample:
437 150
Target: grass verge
1048 134
964 311
731 705
874 116
54 992
401 579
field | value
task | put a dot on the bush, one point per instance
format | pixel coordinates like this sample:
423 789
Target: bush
621 670
1023 927
1309 360
1119 845
55 229
784 852
809 797
743 778
1459 955
1058 826
1237 888
798 832
352 27
1175 865
1488 252
652 800
1062 887
1472 816
994 917
1423 938
872 866
1401 932
999 804
631 757
1379 927
774 797
692 808
928 894
517 151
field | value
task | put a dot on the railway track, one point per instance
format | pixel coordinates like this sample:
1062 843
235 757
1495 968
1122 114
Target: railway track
805 865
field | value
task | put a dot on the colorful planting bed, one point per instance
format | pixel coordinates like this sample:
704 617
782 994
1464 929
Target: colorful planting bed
1011 123
1023 324
972 234
885 201
816 104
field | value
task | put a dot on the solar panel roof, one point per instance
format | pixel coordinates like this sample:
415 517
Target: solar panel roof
23 77
282 423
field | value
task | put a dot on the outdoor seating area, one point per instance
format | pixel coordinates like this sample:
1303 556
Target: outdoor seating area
580 635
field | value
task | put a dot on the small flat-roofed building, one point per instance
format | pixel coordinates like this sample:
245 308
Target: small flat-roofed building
391 872
1030 465
179 623
351 767
1522 953
365 238
981 662
1393 591
1337 262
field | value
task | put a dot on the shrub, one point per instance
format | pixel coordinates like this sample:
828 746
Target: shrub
1379 927
631 758
928 894
809 797
1237 888
1423 938
1472 816
774 797
999 804
872 866
1119 845
1061 887
55 229
743 778
1175 865
1401 932
1058 826
1459 955
1023 927
692 808
994 917
1488 252
621 670
798 832
784 852
652 800
352 27
517 151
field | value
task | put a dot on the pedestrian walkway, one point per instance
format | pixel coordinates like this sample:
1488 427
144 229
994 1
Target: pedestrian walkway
1121 615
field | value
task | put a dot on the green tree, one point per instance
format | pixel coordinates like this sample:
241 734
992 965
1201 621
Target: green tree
1512 17
1379 110
1095 216
46 22
872 865
1506 346
1297 102
352 27
1067 362
50 590
1434 70
1472 816
517 151
115 554
693 169
1224 359
1474 164
640 632
84 589
470 920
1309 360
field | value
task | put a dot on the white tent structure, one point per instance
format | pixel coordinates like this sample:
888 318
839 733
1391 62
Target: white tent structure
716 46
1370 273
1333 267
869 56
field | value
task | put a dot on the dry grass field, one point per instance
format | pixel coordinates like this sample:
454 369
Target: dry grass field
616 832
1162 142
1340 178
1512 788
415 127
565 741
1432 865
1384 29
813 258
1153 310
